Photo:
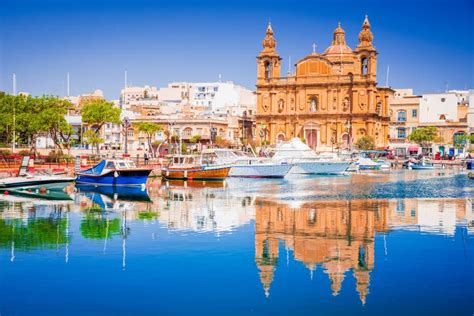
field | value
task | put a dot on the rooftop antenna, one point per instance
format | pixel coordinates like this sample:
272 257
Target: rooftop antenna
314 48
67 79
14 84
388 71
220 78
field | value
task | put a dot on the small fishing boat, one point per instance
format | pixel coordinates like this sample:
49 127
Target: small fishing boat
470 175
189 167
423 164
367 164
119 172
27 180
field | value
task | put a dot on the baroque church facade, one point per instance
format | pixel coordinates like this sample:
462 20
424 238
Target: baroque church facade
330 101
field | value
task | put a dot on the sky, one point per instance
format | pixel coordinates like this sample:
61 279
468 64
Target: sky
427 45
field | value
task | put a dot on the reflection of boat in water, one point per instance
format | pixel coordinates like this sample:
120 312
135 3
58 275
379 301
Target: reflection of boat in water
196 184
114 172
40 193
132 193
189 167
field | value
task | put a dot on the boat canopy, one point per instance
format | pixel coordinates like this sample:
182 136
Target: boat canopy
97 169
294 149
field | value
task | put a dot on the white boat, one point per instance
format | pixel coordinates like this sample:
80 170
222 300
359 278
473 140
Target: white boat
306 161
26 180
243 165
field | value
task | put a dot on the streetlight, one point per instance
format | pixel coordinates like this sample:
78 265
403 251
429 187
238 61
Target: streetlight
126 125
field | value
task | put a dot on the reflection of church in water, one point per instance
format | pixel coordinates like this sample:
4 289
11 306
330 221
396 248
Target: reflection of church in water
338 236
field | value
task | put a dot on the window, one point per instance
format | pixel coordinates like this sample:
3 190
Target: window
402 116
402 133
443 99
364 62
414 112
378 108
187 132
268 70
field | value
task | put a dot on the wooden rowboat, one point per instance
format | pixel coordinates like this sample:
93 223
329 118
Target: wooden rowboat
188 167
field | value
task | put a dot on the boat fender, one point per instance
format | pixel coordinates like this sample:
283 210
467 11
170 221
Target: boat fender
167 173
186 173
116 174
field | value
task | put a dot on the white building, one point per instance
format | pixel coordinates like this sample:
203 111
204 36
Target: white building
138 96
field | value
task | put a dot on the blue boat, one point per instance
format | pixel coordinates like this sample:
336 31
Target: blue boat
421 165
114 172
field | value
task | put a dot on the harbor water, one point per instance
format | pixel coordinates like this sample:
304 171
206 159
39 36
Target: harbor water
374 243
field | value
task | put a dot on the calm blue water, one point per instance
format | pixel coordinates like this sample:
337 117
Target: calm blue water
367 244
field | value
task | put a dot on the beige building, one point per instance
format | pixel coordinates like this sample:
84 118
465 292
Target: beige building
404 119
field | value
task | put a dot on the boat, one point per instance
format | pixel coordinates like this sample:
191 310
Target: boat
27 180
470 175
244 165
191 167
367 164
423 164
116 172
306 161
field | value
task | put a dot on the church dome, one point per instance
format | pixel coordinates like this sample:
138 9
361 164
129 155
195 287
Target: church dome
338 45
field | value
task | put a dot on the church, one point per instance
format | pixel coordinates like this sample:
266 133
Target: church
330 101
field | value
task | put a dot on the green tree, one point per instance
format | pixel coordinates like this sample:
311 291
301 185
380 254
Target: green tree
365 143
149 128
96 113
93 139
31 116
424 136
195 139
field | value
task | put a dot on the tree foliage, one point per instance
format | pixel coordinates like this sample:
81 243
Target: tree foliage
149 128
96 113
93 139
424 136
33 116
365 143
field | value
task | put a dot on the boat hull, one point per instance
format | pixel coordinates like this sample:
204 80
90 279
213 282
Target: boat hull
51 184
422 167
320 167
260 171
195 173
136 177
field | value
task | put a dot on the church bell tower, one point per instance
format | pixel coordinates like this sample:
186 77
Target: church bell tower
268 61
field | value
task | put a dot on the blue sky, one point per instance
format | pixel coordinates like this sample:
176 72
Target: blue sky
428 44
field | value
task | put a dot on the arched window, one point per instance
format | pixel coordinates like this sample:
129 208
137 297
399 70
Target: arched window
313 104
364 62
187 132
268 70
402 116
378 108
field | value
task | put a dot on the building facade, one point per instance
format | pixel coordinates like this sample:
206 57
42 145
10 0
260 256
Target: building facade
404 119
331 101
448 112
